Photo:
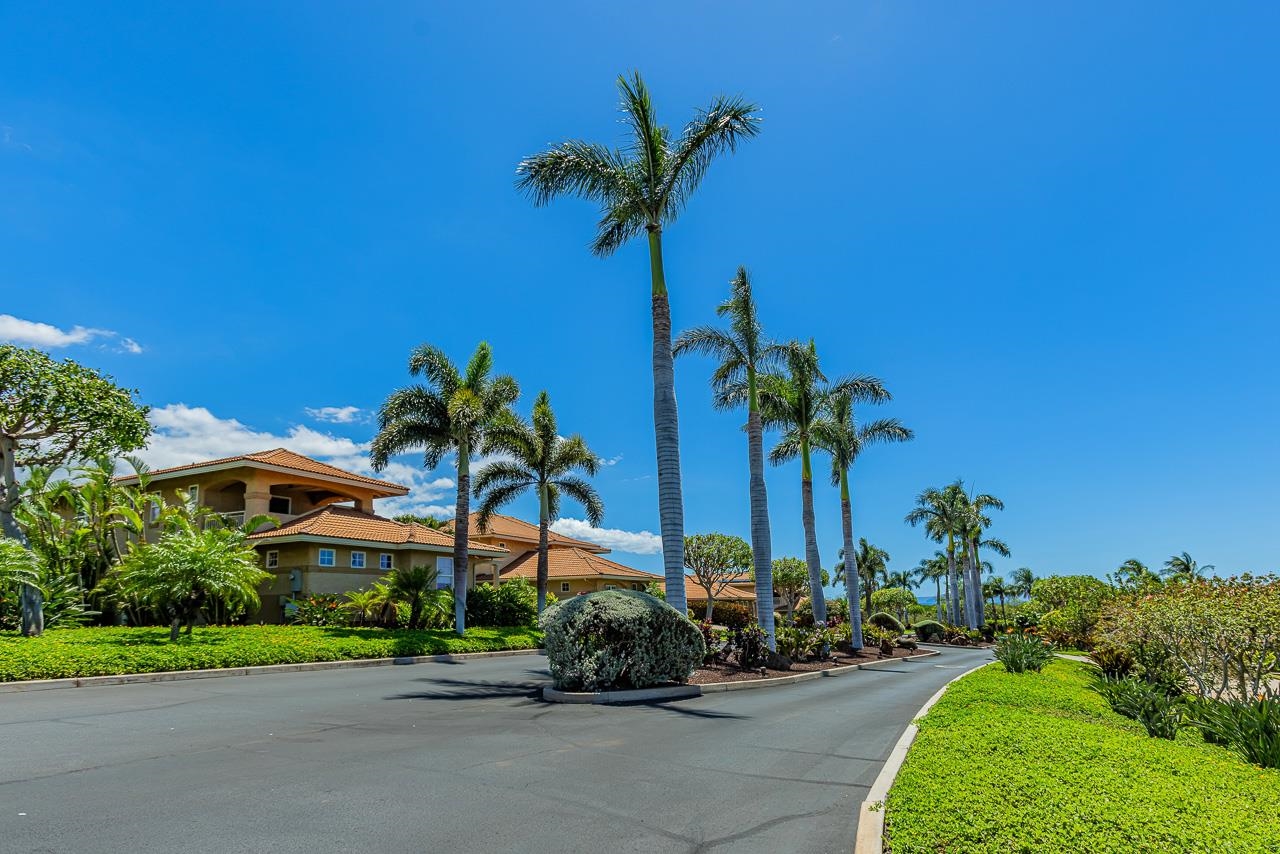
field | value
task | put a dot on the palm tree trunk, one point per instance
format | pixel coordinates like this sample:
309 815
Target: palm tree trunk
851 576
543 546
976 570
937 597
666 427
811 556
973 592
953 583
461 531
761 540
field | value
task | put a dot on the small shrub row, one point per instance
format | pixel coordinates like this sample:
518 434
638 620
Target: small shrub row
1022 653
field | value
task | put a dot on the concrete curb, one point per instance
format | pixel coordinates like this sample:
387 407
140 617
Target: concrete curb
264 670
678 692
870 839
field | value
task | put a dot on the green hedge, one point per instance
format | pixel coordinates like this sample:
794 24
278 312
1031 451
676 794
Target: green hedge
1049 767
109 651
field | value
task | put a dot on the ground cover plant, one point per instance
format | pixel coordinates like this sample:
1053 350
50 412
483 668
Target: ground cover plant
1060 771
109 651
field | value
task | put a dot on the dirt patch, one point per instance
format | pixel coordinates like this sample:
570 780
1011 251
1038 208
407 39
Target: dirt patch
710 674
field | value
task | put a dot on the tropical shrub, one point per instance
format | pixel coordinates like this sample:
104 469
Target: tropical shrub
750 646
512 603
1070 607
619 639
930 630
417 587
837 611
1159 712
1223 635
1250 727
1020 653
874 636
1115 662
320 609
795 642
888 622
896 600
732 615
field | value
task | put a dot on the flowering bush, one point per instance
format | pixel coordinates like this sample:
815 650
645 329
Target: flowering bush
320 609
619 639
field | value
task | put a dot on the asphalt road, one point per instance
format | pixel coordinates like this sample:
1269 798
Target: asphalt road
447 757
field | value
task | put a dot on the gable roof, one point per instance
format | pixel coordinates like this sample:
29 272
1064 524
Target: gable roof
511 528
573 562
695 592
346 523
278 458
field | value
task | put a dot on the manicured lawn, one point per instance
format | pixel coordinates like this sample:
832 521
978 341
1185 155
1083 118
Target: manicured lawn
107 651
1039 762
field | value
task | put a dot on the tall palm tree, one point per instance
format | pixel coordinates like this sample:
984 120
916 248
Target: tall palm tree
449 413
643 187
794 403
744 354
933 569
872 565
1183 567
976 521
1023 580
942 512
838 433
1134 575
535 456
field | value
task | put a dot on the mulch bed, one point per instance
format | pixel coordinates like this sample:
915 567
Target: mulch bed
709 674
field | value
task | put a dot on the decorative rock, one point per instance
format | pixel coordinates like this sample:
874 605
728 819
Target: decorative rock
776 661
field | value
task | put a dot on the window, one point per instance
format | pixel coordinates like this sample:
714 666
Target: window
357 560
444 572
564 587
611 587
327 557
153 512
273 560
384 561
636 585
193 495
502 545
280 504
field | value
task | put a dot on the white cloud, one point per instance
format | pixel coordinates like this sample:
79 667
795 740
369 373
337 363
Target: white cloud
186 434
633 542
612 461
18 331
337 414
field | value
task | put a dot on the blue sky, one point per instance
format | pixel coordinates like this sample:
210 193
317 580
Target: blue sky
1050 231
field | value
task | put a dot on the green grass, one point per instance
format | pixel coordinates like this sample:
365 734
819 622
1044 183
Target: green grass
1039 762
109 651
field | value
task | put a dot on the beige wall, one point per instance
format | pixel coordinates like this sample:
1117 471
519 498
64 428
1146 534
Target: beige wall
583 585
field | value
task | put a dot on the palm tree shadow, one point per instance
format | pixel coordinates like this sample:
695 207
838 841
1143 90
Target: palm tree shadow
463 689
685 710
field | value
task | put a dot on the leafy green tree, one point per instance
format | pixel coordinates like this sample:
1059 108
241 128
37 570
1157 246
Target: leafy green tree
642 188
417 587
1071 606
791 581
714 559
449 413
427 521
838 433
188 570
1183 567
656 589
943 514
743 352
52 413
534 456
794 403
895 600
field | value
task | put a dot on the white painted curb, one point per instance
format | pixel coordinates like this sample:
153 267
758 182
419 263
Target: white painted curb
263 670
675 692
870 839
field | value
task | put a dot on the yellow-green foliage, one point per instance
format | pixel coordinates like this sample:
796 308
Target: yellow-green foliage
109 651
1046 766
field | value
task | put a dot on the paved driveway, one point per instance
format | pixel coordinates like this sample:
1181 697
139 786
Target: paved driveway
446 757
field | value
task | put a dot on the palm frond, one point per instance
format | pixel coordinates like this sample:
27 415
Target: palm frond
584 169
713 131
585 494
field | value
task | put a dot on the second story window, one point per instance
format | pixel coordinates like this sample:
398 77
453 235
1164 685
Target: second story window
273 560
280 505
327 557
357 560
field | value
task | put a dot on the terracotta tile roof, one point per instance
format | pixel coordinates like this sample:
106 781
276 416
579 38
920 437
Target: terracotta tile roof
573 562
346 523
284 458
509 527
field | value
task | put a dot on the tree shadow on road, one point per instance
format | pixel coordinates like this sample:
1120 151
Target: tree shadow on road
464 689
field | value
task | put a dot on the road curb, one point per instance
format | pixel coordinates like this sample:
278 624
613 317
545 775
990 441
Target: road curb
680 692
870 839
263 670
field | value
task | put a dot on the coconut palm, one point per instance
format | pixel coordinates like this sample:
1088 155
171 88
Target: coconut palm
744 354
1023 580
872 565
976 521
995 588
933 569
838 433
794 403
533 455
1183 567
942 512
450 413
1134 575
642 188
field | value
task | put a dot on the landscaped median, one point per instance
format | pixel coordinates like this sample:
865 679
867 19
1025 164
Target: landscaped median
69 653
1038 762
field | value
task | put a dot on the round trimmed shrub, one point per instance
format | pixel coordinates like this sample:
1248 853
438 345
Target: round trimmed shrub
619 639
928 630
886 621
